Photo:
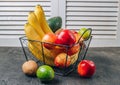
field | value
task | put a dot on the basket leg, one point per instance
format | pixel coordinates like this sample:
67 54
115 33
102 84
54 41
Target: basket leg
23 49
87 48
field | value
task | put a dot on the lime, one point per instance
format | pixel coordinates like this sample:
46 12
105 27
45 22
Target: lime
45 73
86 33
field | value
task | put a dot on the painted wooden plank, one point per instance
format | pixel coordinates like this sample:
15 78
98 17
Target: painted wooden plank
113 37
16 18
9 32
94 0
25 0
104 32
11 27
91 9
17 9
26 4
19 13
90 23
101 28
12 22
108 14
92 18
79 4
11 36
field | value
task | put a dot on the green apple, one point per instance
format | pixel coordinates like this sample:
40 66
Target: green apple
86 34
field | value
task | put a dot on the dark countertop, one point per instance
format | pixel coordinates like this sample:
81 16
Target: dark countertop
107 62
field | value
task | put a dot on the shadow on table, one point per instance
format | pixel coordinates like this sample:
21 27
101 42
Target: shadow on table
53 82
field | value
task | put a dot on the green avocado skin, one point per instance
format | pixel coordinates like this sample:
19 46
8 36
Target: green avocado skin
55 23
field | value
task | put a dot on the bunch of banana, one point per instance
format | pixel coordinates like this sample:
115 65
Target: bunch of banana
35 29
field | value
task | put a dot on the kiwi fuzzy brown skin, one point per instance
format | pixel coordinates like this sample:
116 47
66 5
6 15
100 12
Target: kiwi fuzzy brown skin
29 68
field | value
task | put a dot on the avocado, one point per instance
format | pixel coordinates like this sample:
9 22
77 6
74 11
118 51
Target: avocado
55 23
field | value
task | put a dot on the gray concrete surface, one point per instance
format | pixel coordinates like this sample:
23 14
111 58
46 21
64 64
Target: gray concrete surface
107 62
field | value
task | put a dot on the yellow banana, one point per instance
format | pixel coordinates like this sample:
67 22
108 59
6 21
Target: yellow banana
33 38
34 45
31 33
35 30
33 21
36 52
38 14
42 20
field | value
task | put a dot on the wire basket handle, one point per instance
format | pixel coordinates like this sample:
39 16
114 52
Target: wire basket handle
89 29
89 40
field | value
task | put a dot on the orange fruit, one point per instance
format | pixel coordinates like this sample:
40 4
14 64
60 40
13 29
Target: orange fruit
62 60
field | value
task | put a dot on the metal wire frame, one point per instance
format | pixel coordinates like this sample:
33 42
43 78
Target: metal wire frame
60 71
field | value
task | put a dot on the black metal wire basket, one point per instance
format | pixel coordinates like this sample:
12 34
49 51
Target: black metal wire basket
35 50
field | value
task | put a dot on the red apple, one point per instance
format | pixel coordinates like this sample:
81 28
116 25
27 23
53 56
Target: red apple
58 31
60 60
49 40
78 38
65 37
86 68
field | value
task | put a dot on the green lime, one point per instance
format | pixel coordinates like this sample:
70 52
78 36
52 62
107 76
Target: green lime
86 34
45 73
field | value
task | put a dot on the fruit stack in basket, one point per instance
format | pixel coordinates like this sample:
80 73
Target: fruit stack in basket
57 43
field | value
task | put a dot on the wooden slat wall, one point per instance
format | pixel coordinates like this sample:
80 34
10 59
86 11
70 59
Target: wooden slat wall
100 15
13 16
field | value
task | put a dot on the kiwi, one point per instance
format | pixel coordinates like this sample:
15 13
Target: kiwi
29 67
